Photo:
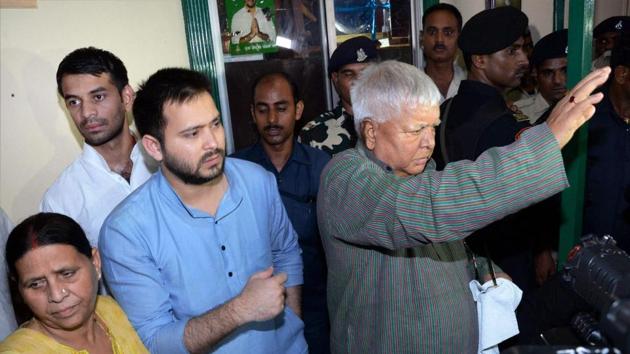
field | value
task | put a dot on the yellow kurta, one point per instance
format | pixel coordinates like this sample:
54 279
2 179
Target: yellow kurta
122 335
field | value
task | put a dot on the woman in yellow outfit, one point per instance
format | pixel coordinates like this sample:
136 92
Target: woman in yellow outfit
57 273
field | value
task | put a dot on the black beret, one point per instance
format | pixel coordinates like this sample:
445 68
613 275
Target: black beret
612 24
554 45
621 51
355 50
492 30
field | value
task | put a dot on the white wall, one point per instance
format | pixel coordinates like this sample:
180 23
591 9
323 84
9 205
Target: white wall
37 138
608 8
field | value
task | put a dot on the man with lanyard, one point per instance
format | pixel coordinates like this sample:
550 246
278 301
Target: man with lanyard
442 24
297 168
94 86
252 24
333 131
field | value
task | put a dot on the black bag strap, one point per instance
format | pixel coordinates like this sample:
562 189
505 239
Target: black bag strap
443 151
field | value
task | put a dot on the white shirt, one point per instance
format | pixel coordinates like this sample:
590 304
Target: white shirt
7 316
533 106
87 190
602 60
242 25
459 74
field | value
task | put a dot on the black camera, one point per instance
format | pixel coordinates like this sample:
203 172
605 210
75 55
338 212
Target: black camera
599 272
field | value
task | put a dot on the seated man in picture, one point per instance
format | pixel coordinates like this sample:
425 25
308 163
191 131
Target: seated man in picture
297 167
202 257
252 24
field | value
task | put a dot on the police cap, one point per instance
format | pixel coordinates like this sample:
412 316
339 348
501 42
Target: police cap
355 50
492 30
554 45
612 24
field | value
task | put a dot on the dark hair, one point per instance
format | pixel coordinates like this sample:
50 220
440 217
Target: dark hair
294 87
44 229
175 85
620 54
95 62
443 7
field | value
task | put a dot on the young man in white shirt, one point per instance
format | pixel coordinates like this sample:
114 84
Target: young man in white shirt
95 88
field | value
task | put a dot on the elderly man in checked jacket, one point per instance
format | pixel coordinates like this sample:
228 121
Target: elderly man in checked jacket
393 227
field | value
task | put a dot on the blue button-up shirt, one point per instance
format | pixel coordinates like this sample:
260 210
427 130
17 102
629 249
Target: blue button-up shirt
166 262
298 183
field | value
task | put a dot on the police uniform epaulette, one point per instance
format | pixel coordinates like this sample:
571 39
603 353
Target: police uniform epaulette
520 116
310 125
329 114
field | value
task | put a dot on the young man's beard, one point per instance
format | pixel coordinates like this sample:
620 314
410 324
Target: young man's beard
190 175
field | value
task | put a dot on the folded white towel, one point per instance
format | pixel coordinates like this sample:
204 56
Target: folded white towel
495 312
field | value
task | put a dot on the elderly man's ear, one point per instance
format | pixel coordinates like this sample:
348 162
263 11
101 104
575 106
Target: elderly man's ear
368 131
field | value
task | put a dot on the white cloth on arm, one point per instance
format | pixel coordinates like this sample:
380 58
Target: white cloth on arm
495 312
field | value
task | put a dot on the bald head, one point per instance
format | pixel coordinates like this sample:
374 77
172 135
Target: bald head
275 108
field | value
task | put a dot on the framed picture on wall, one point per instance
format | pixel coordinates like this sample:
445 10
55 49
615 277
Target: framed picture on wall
252 26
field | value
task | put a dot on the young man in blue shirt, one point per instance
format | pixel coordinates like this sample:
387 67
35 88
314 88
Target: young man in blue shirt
202 257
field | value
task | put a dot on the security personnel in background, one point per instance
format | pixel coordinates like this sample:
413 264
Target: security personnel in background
605 34
549 63
478 118
333 131
607 190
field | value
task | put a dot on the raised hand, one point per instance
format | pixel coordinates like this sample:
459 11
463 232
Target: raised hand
577 106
